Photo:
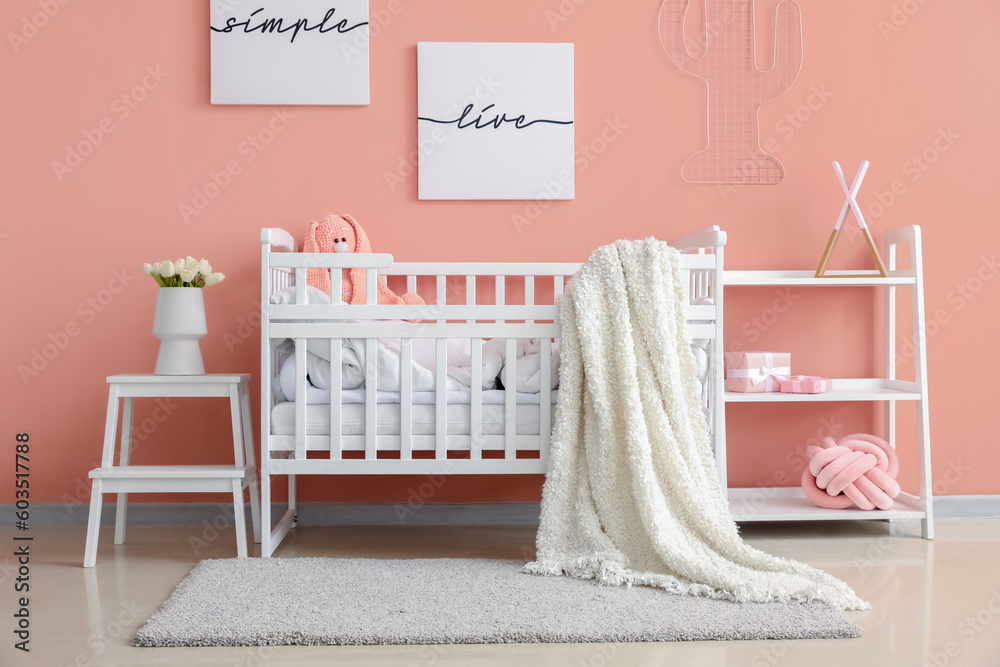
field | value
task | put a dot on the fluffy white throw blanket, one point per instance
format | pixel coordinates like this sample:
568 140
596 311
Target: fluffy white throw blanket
632 495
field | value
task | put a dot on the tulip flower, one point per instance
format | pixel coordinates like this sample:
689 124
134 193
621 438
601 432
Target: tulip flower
213 278
183 272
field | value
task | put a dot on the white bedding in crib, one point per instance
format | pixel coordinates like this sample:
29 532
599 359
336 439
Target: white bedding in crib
423 368
423 414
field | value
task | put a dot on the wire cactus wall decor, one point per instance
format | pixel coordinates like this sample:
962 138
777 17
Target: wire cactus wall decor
737 88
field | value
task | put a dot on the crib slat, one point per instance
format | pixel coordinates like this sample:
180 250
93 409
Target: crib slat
411 283
500 298
545 401
336 405
440 399
300 398
300 285
371 397
510 400
406 399
371 286
476 400
336 284
470 293
442 298
529 292
708 391
557 286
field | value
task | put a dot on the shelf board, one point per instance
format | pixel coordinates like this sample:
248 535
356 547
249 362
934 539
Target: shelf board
204 378
791 504
171 472
844 389
808 278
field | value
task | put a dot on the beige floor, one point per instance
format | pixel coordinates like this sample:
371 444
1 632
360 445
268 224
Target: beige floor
929 598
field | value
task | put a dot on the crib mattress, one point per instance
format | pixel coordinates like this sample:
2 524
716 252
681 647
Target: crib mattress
423 414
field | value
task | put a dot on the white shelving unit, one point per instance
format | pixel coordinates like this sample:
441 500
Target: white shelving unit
790 504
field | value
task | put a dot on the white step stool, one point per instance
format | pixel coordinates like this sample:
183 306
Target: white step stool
124 478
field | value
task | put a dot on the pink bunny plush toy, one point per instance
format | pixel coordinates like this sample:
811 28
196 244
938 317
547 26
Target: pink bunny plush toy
342 233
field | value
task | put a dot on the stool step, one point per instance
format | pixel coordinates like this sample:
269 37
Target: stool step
171 472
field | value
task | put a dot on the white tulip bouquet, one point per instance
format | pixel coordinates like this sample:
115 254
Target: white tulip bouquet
186 272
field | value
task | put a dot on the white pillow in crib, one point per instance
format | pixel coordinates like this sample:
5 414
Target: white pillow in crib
313 296
529 362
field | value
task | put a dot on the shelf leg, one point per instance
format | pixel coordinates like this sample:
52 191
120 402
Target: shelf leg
251 461
93 524
110 428
120 514
920 378
239 518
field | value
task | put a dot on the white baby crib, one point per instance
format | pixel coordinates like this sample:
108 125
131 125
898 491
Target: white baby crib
349 425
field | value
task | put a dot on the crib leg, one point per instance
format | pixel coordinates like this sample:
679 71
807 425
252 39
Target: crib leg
291 500
265 508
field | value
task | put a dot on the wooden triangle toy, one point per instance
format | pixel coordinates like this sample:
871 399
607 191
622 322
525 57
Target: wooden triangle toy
851 203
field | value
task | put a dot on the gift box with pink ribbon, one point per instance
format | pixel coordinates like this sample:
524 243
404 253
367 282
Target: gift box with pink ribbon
757 372
806 384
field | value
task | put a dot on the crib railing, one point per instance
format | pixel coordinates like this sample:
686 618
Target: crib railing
437 320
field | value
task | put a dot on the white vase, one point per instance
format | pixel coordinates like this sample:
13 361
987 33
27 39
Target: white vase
179 323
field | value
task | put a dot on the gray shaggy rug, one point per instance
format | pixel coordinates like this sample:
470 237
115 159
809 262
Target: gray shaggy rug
329 601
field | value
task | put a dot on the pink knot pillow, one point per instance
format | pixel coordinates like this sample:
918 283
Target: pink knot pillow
859 470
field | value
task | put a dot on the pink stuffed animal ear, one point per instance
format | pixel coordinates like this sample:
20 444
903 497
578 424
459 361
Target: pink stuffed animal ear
360 243
310 244
318 278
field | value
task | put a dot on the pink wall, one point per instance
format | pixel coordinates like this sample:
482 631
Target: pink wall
72 244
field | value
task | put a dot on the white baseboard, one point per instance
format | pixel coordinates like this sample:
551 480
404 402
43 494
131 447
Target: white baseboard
389 514
967 507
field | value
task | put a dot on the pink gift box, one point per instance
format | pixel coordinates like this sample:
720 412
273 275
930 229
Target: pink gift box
806 384
757 372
